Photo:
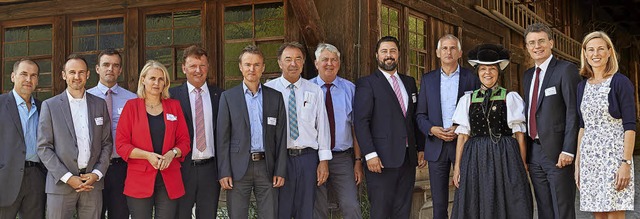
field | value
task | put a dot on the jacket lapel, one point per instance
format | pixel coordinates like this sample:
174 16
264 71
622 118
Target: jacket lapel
242 103
91 115
384 84
66 112
545 81
10 104
184 101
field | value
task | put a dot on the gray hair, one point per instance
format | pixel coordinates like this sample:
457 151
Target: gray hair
328 47
449 37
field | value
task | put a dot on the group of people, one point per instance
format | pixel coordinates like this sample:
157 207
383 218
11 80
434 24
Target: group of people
293 142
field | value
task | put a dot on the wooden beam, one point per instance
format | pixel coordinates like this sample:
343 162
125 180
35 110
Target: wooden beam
59 54
308 19
132 49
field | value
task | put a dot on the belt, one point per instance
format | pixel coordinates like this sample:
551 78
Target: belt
298 152
537 141
201 162
350 151
116 160
82 171
257 156
31 164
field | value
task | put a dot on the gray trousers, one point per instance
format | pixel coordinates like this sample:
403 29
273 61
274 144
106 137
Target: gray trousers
256 179
87 205
31 197
159 205
342 184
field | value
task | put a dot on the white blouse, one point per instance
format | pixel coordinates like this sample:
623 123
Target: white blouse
515 113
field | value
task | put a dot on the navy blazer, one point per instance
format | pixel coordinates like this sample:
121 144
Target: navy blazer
621 101
379 123
429 109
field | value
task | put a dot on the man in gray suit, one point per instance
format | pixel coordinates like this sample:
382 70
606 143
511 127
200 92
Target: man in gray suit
22 176
251 143
74 147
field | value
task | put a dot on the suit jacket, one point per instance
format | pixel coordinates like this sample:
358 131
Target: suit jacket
233 142
181 93
379 124
57 142
429 109
12 149
133 132
556 115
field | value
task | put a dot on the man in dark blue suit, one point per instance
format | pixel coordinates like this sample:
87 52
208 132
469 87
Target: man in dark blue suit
440 90
384 117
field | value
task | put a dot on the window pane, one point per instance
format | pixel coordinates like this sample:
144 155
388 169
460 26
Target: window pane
164 56
43 95
81 44
42 32
237 31
412 57
15 49
232 51
393 14
111 41
84 28
180 73
231 69
158 38
231 83
6 77
393 31
45 78
271 65
269 11
111 25
15 34
40 48
91 63
237 14
157 21
270 49
186 36
269 28
186 19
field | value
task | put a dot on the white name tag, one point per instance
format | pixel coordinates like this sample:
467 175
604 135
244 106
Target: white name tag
414 98
99 121
119 110
171 117
271 121
550 91
604 90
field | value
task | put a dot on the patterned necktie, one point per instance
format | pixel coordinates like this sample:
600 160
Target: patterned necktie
293 113
201 144
328 103
533 126
109 100
396 89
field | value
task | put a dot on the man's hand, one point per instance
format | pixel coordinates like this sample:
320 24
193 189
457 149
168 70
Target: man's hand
278 181
89 179
357 171
564 160
375 165
323 172
75 182
421 162
447 134
226 183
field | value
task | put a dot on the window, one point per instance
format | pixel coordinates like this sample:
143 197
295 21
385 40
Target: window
32 42
417 47
390 21
89 37
259 24
166 37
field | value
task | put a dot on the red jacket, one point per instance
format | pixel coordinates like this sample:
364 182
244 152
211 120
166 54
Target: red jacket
133 132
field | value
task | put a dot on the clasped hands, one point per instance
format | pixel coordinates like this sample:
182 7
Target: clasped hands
160 162
83 183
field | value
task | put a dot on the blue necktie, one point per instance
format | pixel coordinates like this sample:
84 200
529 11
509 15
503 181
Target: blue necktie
293 113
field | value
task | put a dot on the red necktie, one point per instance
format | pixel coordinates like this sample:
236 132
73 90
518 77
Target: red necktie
332 120
533 129
201 144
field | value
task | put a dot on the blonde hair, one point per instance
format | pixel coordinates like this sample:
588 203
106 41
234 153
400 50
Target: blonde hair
612 63
153 64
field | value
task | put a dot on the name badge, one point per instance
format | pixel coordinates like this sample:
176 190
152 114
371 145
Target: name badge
271 121
119 110
604 90
550 91
171 117
414 98
99 121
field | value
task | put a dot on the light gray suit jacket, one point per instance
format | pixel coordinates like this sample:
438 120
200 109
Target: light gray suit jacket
233 142
57 142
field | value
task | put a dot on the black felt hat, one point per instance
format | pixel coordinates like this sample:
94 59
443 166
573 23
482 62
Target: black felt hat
489 54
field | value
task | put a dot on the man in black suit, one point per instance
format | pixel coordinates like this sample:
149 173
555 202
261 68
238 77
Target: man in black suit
384 116
199 103
23 176
252 141
550 96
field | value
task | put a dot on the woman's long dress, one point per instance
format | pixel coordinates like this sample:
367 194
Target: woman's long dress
493 180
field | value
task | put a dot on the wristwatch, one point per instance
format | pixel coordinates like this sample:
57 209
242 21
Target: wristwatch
626 161
175 151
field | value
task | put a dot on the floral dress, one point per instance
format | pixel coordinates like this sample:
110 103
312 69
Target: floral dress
601 151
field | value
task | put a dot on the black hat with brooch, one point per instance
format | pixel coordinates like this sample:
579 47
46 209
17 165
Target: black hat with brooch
489 54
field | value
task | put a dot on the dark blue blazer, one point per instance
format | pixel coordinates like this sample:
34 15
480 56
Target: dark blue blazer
429 110
379 124
621 100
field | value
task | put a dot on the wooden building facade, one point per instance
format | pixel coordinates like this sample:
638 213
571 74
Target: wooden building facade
49 30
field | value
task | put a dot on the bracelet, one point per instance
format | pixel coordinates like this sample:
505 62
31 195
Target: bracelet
359 158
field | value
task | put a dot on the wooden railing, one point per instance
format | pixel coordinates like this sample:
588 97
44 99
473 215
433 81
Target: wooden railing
516 16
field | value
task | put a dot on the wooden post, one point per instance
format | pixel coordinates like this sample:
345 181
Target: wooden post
309 21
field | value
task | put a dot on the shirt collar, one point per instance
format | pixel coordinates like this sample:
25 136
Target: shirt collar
247 91
103 88
545 64
286 83
20 101
388 76
71 99
452 74
321 82
205 88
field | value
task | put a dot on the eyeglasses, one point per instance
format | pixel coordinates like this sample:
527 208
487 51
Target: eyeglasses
540 42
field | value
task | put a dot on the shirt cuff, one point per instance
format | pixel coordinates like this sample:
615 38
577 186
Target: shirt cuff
66 177
325 155
97 172
371 155
567 153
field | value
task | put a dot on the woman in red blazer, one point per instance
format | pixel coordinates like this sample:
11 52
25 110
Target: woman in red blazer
151 137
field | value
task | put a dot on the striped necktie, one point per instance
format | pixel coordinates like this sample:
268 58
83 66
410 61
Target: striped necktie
201 144
293 113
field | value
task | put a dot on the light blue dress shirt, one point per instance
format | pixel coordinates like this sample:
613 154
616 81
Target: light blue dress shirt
448 95
254 108
342 93
29 122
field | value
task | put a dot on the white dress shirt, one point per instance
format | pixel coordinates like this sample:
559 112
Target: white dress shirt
313 124
209 152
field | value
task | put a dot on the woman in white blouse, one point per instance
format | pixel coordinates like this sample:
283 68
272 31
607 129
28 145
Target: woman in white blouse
490 171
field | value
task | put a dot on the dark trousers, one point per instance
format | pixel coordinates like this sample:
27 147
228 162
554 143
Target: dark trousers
341 184
390 192
256 179
296 197
202 189
114 202
439 177
159 204
31 198
554 187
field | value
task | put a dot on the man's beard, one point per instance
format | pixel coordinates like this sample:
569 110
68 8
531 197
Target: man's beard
391 67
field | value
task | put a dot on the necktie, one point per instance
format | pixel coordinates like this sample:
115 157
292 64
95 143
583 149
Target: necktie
293 113
201 144
533 129
109 100
332 120
396 89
